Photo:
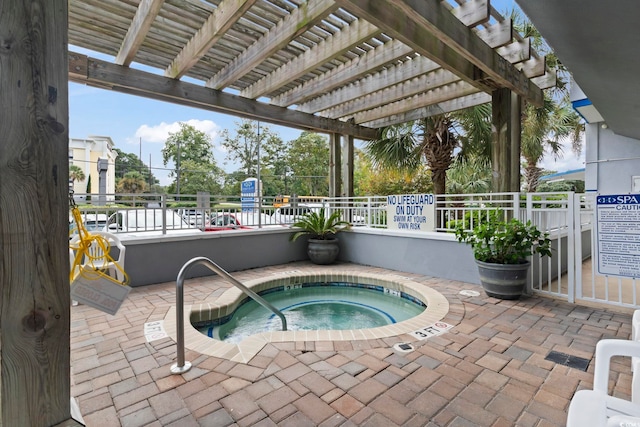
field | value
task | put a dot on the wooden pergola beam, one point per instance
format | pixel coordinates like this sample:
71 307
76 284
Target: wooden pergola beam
295 24
354 69
140 25
440 94
473 12
517 51
463 102
434 32
498 34
418 68
128 80
547 80
387 96
357 32
218 23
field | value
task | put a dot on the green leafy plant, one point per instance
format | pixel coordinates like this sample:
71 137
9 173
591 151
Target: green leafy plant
319 226
473 218
505 242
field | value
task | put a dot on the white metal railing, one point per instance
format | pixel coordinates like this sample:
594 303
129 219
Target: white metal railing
470 210
367 211
120 213
162 213
165 214
568 218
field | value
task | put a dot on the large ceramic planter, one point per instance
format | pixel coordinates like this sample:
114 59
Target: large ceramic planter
323 251
504 281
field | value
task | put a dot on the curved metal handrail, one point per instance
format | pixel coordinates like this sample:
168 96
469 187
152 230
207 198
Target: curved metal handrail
182 366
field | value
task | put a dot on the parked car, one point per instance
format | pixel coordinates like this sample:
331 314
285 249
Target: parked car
289 214
239 220
193 217
91 222
144 220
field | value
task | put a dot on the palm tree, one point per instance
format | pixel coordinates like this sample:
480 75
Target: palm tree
470 174
405 146
131 182
431 140
75 174
544 128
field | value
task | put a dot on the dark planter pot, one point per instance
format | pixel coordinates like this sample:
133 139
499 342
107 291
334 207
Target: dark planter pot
504 281
323 251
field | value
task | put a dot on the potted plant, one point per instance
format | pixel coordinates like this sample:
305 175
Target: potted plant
500 249
322 246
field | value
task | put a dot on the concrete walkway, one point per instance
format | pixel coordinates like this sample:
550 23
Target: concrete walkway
490 369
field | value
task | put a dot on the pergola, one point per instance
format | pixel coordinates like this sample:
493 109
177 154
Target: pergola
343 67
347 68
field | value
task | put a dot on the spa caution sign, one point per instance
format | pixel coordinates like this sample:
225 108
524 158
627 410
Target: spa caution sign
618 234
411 212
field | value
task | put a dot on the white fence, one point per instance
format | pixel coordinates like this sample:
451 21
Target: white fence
568 218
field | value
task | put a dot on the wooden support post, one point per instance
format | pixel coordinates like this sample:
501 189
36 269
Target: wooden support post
347 166
515 131
500 140
34 213
335 166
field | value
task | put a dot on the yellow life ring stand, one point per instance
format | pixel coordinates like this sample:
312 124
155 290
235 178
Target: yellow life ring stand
88 269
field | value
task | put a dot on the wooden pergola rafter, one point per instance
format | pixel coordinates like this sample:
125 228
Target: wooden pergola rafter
368 62
349 67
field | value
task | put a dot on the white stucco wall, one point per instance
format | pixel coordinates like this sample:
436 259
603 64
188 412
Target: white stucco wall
611 161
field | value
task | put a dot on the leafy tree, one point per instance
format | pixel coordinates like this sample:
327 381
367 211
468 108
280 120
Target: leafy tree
129 162
276 171
562 186
370 180
132 182
473 127
243 146
309 161
231 183
195 177
191 151
272 185
89 188
76 174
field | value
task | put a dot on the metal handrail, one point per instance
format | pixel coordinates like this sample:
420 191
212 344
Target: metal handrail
183 366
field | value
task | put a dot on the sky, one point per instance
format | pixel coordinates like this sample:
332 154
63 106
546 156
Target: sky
141 126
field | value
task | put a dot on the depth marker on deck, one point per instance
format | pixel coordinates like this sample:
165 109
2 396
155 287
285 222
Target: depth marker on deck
154 331
436 329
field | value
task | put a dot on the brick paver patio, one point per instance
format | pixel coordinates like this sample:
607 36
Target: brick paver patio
489 370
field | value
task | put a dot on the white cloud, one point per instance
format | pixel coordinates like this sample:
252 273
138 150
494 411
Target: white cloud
160 132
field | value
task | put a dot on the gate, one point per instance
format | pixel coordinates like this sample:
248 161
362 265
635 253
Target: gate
591 286
570 220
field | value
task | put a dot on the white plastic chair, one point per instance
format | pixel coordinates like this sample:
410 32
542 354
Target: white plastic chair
114 268
595 407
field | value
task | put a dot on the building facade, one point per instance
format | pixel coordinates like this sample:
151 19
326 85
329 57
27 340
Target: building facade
86 154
